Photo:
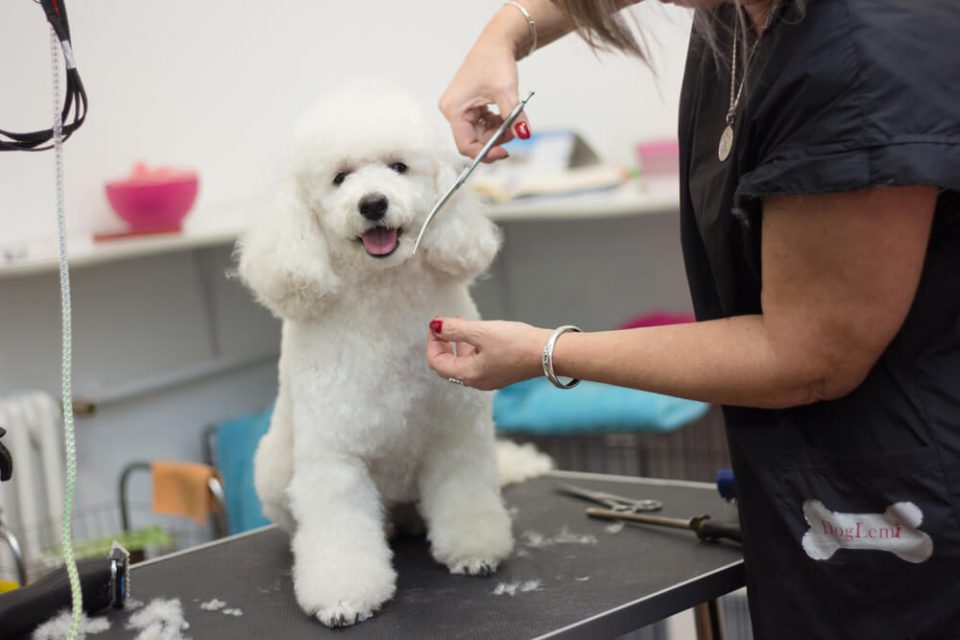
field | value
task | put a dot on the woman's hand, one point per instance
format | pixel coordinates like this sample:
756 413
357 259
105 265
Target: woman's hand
487 354
487 76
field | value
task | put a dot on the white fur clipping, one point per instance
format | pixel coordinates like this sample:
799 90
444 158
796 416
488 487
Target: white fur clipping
513 588
894 530
536 540
213 605
517 463
58 628
160 620
614 528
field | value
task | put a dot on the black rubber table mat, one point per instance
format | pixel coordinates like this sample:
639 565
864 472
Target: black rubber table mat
572 577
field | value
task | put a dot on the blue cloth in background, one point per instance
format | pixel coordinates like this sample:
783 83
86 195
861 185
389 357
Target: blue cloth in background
537 407
236 442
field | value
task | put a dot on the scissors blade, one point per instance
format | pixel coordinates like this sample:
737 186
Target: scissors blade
612 501
491 143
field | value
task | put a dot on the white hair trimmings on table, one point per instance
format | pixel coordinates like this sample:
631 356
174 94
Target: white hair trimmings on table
58 627
160 619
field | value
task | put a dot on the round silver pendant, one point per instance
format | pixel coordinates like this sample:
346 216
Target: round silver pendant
726 143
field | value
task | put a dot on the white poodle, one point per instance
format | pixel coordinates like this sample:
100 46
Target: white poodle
361 423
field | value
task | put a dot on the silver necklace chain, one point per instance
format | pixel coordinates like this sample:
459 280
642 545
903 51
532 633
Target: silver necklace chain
735 99
726 138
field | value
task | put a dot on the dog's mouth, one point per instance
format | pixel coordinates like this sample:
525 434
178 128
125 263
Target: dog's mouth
380 242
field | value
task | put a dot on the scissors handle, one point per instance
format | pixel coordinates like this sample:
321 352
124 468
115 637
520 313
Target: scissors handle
490 144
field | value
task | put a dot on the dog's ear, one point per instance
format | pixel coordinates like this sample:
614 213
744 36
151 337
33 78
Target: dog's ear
284 259
461 241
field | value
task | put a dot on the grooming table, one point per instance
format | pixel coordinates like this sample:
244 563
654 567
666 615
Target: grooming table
594 582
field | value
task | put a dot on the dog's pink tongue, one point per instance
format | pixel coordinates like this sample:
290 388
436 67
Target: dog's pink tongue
380 241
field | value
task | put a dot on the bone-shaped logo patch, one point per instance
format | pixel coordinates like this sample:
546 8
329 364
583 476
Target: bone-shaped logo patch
894 530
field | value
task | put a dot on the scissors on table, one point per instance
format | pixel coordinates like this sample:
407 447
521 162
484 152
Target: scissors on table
631 510
615 503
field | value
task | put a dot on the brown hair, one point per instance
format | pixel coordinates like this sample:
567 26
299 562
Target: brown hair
602 26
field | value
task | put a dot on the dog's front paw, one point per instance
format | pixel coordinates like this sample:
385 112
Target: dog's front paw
345 614
473 542
474 567
345 594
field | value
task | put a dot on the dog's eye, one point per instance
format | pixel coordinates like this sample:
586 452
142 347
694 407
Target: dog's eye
339 178
399 167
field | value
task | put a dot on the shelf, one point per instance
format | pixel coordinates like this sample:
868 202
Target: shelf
222 226
632 199
205 228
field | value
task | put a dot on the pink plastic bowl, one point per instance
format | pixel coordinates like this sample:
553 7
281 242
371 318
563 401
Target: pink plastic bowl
155 201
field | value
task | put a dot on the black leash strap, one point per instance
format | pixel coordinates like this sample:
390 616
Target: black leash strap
75 99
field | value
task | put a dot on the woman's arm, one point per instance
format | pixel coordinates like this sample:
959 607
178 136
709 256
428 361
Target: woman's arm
509 23
839 275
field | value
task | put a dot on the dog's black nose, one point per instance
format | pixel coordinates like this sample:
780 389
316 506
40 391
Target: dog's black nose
373 206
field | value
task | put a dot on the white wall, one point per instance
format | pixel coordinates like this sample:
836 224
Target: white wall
217 85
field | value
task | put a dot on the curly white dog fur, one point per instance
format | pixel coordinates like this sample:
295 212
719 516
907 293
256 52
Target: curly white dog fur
361 423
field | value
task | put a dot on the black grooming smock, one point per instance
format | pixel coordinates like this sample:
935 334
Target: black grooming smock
850 508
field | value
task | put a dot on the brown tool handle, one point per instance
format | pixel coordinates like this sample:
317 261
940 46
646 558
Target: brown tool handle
663 521
703 526
707 529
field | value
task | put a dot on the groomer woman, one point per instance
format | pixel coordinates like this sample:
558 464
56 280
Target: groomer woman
820 226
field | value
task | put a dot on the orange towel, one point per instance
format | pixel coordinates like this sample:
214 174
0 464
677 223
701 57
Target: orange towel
181 489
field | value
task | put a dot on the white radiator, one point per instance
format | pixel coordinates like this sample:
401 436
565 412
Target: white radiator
32 500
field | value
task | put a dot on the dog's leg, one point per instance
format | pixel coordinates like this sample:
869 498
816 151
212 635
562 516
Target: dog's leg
273 465
342 572
467 523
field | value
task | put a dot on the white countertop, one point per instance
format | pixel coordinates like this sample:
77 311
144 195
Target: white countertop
632 199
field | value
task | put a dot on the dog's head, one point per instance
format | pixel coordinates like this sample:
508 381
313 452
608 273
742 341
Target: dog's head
368 161
368 166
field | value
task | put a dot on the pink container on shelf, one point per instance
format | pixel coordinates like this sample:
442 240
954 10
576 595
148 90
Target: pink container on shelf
658 157
154 200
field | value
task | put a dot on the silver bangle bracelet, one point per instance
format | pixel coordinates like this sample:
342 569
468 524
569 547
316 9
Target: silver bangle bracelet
548 357
531 25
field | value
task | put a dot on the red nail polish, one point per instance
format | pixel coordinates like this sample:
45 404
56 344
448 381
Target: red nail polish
436 325
521 129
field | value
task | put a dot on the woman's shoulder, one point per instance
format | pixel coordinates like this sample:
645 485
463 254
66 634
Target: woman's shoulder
856 93
864 70
910 39
914 39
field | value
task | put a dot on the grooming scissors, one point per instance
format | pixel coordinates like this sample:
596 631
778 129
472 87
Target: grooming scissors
491 143
615 503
